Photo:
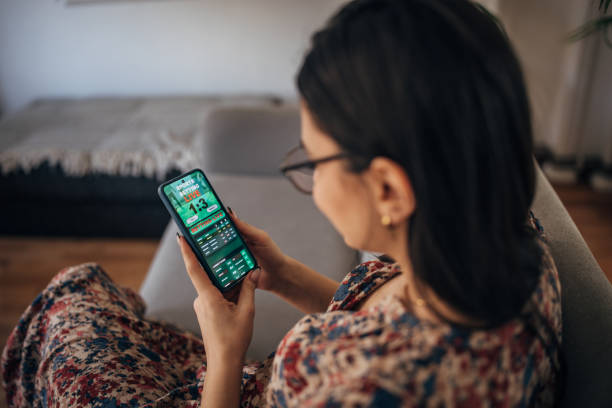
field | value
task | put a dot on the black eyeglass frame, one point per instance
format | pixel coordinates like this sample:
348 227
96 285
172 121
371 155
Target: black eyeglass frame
310 164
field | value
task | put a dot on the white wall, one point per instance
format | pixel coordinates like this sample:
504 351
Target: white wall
539 31
597 120
154 47
569 83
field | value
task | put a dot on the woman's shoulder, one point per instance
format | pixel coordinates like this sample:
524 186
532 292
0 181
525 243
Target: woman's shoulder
545 302
366 348
388 352
360 282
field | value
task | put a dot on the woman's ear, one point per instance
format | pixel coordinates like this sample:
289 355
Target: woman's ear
391 189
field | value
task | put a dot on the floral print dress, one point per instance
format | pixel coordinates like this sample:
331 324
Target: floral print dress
84 342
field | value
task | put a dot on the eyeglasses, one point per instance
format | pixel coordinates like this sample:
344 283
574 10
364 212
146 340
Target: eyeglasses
299 170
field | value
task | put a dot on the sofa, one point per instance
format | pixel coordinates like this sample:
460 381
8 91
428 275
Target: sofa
243 151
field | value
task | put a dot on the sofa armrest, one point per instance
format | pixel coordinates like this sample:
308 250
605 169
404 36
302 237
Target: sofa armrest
586 300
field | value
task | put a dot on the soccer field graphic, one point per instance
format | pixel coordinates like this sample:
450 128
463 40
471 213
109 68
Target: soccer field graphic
201 213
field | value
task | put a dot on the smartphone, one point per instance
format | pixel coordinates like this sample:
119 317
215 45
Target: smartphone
204 222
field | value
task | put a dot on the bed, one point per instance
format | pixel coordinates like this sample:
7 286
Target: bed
91 166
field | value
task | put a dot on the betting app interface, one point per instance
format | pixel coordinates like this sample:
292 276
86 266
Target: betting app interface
208 224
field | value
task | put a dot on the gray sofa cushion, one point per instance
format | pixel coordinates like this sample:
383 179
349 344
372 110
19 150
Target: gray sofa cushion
250 140
291 219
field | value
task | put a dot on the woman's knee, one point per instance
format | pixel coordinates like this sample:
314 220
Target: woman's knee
74 272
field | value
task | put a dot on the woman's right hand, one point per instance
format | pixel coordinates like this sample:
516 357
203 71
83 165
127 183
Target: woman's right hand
272 261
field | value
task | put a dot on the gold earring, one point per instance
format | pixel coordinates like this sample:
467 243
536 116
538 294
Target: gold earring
385 220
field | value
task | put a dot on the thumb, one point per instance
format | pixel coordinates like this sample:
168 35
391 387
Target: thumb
246 300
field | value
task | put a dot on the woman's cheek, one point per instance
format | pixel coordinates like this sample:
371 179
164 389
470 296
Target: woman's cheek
338 198
316 188
316 193
330 199
322 197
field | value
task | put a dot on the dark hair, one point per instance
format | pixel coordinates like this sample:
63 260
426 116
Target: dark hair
435 86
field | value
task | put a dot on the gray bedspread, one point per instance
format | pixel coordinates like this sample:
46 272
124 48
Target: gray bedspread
114 136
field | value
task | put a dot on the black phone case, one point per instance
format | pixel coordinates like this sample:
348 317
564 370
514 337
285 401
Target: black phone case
187 235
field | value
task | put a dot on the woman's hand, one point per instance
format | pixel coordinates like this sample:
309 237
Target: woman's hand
227 327
272 261
301 286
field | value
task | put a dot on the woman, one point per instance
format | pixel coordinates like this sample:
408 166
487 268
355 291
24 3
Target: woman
416 142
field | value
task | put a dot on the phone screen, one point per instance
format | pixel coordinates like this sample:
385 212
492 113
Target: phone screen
208 224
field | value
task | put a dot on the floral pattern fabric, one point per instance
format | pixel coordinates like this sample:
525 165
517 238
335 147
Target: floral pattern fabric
84 342
384 356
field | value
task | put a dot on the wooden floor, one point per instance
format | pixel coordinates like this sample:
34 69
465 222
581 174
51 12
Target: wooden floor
592 213
27 264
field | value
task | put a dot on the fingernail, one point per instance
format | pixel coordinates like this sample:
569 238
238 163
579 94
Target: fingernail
254 275
230 209
178 236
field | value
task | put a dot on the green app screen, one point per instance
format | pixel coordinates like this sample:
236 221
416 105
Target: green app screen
217 239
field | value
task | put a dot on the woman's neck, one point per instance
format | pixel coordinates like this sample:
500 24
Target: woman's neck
424 304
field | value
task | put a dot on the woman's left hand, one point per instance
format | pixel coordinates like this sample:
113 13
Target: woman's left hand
227 327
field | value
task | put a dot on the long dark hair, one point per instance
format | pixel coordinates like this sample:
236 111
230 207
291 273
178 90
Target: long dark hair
435 86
